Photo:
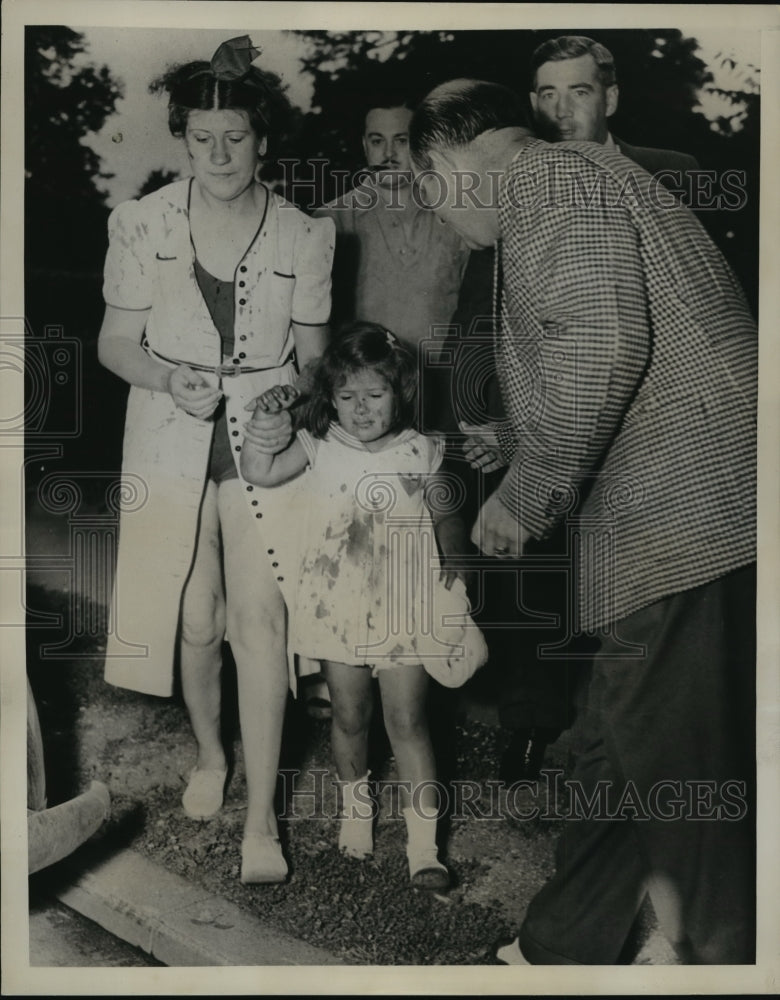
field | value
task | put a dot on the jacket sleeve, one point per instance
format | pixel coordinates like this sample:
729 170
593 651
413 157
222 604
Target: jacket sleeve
575 345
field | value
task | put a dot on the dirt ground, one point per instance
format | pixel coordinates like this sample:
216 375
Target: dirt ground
364 912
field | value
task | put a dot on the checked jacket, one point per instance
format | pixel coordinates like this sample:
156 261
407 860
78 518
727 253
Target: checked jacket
628 365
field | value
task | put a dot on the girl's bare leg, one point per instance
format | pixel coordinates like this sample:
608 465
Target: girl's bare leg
351 697
404 690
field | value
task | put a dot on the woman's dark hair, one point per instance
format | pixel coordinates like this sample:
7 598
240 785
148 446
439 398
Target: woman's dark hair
357 346
194 87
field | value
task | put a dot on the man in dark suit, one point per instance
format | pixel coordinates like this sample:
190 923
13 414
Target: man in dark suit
627 359
574 93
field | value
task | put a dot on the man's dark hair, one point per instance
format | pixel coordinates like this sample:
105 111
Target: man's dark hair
456 112
572 47
384 100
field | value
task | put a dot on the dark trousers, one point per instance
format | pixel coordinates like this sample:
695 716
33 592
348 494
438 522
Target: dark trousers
683 713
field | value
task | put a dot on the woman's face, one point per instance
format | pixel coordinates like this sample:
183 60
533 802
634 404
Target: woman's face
223 151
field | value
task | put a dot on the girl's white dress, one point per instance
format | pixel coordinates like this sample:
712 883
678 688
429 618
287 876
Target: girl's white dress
369 589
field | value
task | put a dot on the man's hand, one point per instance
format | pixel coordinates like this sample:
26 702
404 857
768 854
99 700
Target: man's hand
192 393
481 446
497 533
270 433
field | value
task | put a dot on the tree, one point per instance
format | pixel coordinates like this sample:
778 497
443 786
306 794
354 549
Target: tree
155 180
66 100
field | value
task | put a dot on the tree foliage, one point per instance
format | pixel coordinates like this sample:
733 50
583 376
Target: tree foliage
660 74
66 100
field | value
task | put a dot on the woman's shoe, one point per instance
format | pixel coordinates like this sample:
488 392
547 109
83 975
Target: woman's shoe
262 860
204 793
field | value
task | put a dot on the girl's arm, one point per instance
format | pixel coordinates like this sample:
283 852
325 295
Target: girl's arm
262 461
449 526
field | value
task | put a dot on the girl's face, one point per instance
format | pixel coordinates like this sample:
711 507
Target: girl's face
365 406
223 151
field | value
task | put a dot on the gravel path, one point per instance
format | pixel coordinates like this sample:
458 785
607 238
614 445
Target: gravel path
365 912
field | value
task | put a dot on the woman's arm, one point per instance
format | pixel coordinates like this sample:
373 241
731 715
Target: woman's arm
310 342
119 350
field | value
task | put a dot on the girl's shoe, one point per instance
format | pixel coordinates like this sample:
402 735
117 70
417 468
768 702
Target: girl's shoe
425 869
204 793
262 860
356 831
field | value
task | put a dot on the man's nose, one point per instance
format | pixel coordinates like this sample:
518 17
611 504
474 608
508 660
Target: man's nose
563 107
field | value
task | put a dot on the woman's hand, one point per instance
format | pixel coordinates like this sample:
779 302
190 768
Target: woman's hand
270 433
481 447
192 393
280 397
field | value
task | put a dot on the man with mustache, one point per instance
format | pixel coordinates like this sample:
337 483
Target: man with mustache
396 264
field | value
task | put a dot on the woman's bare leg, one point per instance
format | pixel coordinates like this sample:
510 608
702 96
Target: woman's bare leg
203 628
256 629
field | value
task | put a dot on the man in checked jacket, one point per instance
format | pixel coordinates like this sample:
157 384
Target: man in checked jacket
627 360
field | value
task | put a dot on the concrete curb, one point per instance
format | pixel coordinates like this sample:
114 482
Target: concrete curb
176 922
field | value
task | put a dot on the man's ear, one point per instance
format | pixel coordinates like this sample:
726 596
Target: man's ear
612 99
364 146
534 101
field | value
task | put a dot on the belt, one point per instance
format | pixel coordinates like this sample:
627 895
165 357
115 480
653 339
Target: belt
221 371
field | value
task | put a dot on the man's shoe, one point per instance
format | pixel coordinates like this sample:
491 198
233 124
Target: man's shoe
523 758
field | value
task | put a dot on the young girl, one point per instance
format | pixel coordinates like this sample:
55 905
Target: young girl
372 598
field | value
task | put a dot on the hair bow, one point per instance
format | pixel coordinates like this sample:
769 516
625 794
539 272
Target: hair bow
233 58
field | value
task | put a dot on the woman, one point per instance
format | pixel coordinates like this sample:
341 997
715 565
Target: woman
212 285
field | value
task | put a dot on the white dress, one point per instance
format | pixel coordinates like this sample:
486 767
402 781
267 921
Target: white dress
368 590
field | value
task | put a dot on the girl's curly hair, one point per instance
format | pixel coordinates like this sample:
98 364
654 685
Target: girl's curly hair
194 87
357 346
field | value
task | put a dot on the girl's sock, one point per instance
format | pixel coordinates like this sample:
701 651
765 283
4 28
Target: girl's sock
425 869
356 834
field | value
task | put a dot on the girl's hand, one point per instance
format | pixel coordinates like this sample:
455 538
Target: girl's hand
280 397
192 393
270 433
451 536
